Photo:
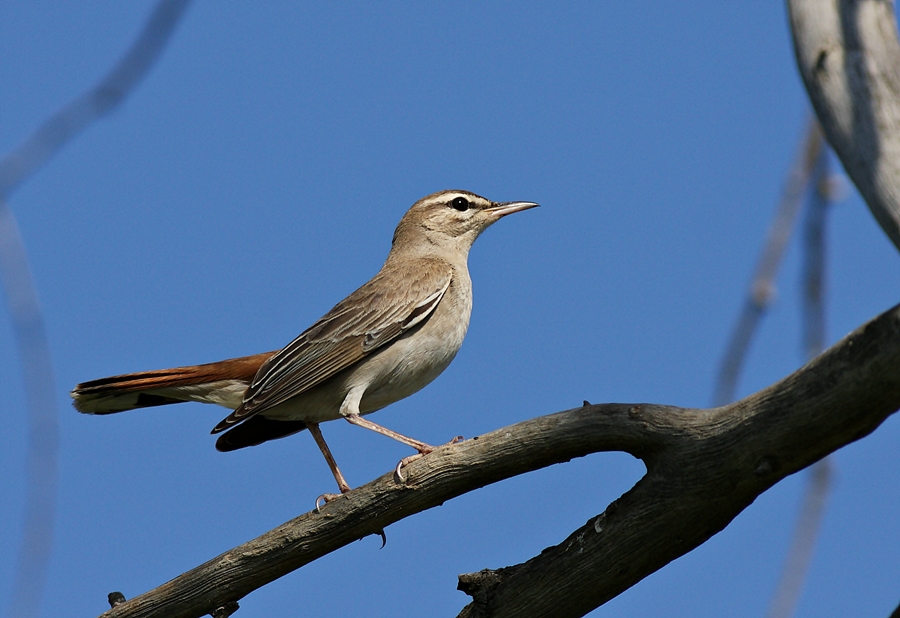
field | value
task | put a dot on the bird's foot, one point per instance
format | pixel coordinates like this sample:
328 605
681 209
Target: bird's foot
325 499
398 474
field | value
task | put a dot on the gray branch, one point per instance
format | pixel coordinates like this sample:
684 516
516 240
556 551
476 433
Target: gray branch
849 57
704 466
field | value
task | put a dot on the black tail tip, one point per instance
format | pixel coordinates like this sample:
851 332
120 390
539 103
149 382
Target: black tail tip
256 430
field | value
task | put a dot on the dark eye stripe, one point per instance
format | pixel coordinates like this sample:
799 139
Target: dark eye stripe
460 203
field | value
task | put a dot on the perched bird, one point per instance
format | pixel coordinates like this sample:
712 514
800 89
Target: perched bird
384 342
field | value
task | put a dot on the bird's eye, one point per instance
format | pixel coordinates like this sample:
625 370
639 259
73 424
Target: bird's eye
460 203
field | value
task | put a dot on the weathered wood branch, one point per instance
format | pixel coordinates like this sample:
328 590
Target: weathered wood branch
703 467
849 57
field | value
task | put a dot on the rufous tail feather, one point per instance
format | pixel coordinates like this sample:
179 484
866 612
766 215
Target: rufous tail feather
222 383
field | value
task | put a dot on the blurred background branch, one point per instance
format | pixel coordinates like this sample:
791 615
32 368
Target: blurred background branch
28 323
762 287
823 193
810 175
106 95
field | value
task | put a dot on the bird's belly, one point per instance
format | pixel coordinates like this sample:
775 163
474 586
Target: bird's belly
408 366
414 360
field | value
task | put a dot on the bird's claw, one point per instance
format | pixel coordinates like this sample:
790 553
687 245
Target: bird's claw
325 499
398 474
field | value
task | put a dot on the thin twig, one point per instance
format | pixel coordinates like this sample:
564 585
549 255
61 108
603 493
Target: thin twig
762 288
28 323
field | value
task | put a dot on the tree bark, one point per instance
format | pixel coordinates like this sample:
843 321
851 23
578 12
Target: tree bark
849 58
704 466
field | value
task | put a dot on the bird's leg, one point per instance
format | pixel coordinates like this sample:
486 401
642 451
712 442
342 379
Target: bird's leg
423 448
332 464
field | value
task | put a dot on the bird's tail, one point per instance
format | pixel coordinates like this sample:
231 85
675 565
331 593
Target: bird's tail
222 383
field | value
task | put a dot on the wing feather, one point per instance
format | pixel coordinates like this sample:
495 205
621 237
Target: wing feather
371 317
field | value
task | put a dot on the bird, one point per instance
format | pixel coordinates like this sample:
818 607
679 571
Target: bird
385 341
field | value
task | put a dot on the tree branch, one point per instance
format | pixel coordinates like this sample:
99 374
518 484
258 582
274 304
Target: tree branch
711 465
704 466
848 54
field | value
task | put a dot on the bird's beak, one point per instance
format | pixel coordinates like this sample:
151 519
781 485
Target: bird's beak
507 208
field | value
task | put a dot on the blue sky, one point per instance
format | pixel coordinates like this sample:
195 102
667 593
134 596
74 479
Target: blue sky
254 179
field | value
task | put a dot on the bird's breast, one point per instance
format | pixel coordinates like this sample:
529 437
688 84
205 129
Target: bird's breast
419 356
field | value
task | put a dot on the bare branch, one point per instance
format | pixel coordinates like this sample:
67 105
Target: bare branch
713 464
848 54
703 468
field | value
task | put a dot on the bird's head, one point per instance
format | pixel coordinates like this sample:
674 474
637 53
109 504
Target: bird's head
449 220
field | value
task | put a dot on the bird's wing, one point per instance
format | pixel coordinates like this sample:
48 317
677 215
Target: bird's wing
372 316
